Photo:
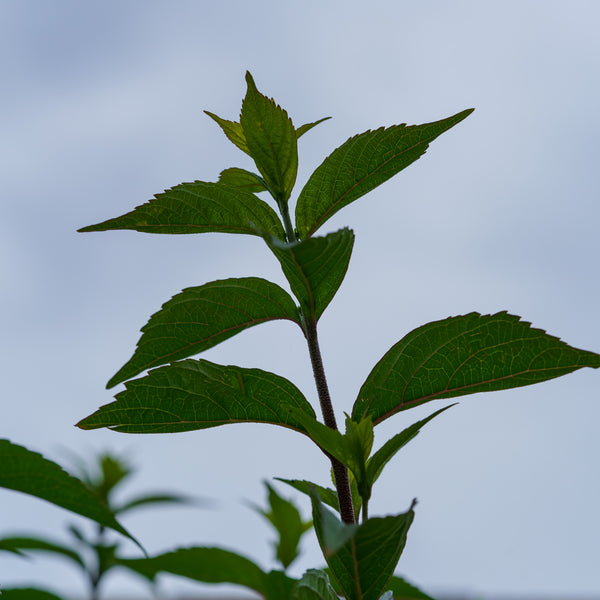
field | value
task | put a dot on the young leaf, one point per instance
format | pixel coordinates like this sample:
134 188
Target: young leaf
315 268
314 585
271 139
376 463
331 532
360 164
308 126
201 317
250 182
365 562
199 207
29 472
21 543
464 355
189 395
233 131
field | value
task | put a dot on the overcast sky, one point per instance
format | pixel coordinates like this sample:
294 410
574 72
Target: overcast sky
102 108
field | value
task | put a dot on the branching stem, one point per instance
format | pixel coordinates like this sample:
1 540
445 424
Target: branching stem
340 472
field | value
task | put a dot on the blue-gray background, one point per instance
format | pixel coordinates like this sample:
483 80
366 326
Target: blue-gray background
101 108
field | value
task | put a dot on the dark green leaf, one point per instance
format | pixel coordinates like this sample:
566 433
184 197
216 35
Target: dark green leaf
278 586
331 532
314 585
209 565
199 207
403 590
29 472
464 355
27 594
376 463
189 395
250 182
361 164
30 543
308 126
364 564
271 139
232 130
315 267
202 317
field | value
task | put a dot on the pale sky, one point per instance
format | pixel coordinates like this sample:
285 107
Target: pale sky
102 108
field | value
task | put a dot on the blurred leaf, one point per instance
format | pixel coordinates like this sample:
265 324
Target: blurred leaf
464 355
326 495
145 500
31 543
271 140
250 182
376 463
199 207
365 562
232 130
201 317
361 164
27 594
210 565
287 521
29 472
314 585
308 126
315 268
189 395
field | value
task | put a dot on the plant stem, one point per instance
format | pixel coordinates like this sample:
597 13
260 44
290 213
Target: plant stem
287 222
340 472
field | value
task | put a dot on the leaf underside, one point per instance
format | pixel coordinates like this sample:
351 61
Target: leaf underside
360 164
201 317
199 207
189 395
464 355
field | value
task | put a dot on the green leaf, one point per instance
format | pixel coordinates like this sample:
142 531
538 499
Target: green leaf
361 164
364 564
201 317
376 463
27 594
247 181
278 586
271 139
29 543
233 131
199 207
464 355
209 565
287 521
403 590
314 585
315 268
29 472
308 126
153 499
189 395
